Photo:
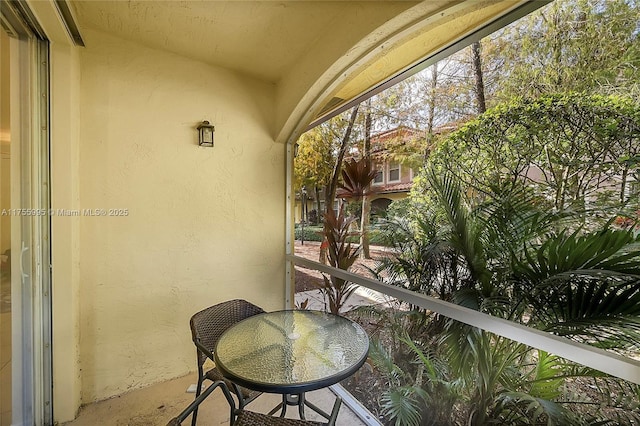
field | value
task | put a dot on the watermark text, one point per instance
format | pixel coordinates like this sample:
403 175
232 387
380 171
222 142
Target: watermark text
66 212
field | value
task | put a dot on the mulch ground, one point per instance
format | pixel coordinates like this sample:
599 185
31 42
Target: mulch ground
308 279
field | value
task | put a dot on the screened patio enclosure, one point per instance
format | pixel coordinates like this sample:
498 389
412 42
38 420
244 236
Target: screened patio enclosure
129 84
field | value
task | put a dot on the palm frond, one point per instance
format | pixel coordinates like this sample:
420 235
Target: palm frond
383 362
427 358
422 258
465 233
356 178
608 250
532 410
401 405
548 377
588 309
586 287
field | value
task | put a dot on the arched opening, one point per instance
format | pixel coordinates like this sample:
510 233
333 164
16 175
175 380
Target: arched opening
379 208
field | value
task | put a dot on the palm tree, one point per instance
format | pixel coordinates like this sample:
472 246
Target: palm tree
510 259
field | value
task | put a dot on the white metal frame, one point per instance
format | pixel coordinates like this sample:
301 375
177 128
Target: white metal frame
289 237
607 362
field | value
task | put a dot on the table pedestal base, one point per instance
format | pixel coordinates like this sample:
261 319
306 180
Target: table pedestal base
300 401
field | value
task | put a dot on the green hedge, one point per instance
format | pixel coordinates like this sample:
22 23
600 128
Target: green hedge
314 233
311 233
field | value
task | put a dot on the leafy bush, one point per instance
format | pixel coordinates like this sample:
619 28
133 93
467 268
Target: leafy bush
377 236
311 233
571 149
508 256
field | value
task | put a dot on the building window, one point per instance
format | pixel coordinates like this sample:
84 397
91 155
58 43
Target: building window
379 177
394 172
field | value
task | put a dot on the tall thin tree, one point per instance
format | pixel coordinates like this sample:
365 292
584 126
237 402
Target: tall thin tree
431 107
481 103
330 190
366 202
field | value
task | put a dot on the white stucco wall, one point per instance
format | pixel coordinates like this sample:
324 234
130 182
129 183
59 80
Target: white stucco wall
203 225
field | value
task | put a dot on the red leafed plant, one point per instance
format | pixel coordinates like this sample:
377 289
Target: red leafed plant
356 179
340 254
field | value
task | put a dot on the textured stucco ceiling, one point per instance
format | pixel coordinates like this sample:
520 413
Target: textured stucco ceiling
262 39
319 54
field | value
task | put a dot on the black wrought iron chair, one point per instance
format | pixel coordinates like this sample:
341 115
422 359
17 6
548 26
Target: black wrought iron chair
206 328
248 418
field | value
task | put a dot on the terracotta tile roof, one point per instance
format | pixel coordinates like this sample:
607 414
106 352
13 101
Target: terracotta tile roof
394 187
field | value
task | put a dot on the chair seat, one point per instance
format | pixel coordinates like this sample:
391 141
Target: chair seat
207 326
249 418
214 375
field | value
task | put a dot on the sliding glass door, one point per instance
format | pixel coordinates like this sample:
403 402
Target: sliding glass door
25 303
5 235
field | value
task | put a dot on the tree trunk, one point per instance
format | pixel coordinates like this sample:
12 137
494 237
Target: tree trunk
364 236
432 110
623 185
366 203
477 72
330 190
318 207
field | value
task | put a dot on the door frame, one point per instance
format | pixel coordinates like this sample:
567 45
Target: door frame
32 380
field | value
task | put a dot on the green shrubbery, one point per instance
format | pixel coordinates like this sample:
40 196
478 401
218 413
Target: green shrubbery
482 232
314 233
508 256
311 233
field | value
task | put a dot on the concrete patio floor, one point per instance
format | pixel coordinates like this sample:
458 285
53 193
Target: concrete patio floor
159 403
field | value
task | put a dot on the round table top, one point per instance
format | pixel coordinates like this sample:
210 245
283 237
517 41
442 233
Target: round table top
291 351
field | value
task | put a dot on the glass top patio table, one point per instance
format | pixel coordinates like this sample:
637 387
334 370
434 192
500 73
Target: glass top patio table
291 352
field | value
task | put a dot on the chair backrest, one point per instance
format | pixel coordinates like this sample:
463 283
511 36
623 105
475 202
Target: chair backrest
208 325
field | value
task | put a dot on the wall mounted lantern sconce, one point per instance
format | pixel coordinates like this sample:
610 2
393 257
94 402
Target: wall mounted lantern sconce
205 134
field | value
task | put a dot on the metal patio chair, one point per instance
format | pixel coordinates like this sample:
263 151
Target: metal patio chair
206 328
193 407
247 418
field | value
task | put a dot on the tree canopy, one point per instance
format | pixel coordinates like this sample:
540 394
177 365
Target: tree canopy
569 45
567 148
